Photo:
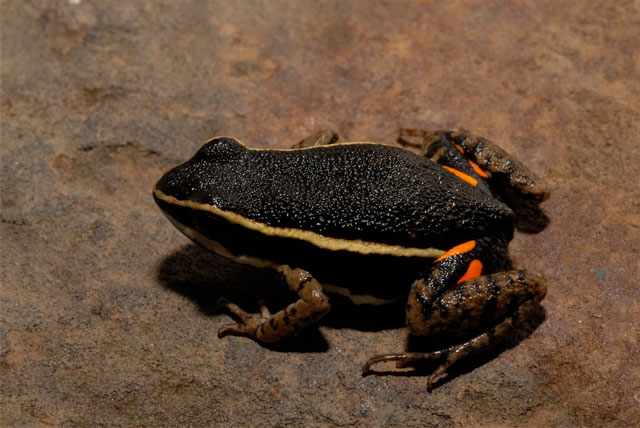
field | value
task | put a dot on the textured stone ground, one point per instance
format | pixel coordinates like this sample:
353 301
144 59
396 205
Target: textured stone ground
106 310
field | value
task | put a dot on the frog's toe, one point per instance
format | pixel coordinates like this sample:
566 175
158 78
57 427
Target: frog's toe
223 305
366 369
432 379
264 310
403 360
408 359
247 325
248 328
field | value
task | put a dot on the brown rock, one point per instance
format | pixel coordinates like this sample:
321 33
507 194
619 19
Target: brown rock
106 310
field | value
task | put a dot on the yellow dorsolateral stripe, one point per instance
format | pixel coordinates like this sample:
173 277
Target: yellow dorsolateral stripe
333 244
295 149
216 247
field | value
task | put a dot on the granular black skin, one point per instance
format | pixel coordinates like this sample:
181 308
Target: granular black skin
369 192
382 276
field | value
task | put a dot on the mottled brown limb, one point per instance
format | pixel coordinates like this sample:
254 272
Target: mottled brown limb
312 305
503 167
497 300
470 304
320 138
437 147
455 353
506 172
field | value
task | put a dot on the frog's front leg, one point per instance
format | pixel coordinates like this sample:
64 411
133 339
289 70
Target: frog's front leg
312 305
454 298
320 138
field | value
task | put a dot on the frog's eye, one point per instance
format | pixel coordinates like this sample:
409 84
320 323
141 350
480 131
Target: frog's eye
220 150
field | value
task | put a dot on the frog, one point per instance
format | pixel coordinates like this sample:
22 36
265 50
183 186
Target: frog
428 222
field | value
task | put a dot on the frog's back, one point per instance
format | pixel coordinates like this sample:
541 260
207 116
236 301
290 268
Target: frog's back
351 191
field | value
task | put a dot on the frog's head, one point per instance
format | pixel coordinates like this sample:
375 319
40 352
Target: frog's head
208 178
212 166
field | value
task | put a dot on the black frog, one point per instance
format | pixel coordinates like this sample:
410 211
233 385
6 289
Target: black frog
371 222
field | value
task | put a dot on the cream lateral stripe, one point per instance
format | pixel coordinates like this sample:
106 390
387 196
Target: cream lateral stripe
296 149
216 247
333 244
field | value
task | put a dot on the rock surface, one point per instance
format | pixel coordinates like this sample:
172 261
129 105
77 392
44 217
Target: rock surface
107 311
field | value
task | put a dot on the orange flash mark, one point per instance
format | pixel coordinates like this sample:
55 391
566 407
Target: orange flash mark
458 249
457 147
461 175
474 271
478 170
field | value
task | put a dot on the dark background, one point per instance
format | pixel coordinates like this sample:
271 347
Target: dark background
106 310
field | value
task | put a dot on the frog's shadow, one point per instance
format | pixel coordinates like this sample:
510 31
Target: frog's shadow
205 277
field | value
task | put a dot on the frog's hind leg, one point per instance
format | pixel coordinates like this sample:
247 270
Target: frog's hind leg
503 172
320 138
455 353
486 162
454 299
517 186
438 147
506 172
312 305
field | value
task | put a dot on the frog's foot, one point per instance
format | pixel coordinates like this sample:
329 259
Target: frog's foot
455 353
247 325
320 138
312 305
403 359
416 133
407 359
499 300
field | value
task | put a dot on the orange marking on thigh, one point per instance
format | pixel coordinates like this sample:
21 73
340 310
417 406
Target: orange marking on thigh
457 147
461 175
477 169
458 249
473 271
